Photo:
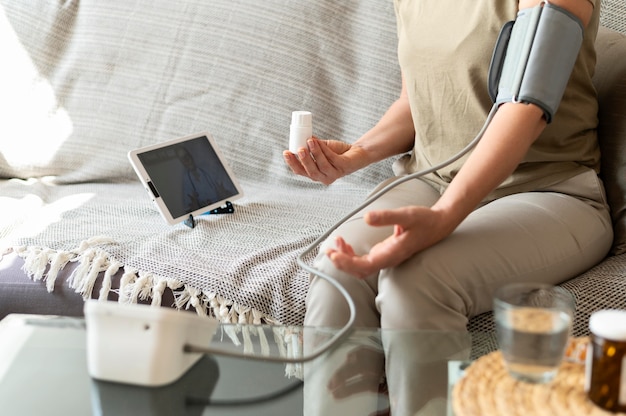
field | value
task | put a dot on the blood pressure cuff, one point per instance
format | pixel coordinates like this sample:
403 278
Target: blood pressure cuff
534 57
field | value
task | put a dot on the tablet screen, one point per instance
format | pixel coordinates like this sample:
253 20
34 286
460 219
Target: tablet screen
188 176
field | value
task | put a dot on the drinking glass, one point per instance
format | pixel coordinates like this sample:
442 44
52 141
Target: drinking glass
533 324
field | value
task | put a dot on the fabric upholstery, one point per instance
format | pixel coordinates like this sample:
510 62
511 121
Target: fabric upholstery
15 288
156 70
610 82
613 15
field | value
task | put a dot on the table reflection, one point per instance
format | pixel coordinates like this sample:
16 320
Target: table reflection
374 372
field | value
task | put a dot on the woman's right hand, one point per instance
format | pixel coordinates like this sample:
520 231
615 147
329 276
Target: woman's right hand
324 161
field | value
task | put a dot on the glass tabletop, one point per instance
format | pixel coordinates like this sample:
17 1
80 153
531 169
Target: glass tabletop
43 370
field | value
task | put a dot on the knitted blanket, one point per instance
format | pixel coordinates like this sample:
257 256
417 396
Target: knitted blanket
90 80
240 267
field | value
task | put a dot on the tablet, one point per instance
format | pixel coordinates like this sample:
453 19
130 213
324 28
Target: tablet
185 176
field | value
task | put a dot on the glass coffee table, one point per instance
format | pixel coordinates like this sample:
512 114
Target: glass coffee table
43 370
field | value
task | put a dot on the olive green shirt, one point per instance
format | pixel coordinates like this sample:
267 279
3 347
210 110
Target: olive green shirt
444 50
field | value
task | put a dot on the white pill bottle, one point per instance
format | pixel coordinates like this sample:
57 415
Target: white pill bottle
301 130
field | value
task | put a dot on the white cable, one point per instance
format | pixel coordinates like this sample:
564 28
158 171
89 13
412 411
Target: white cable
347 329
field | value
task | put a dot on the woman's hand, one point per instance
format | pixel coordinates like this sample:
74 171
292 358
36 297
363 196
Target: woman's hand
324 161
415 228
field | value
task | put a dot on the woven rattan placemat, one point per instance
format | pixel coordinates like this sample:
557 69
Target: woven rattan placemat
486 389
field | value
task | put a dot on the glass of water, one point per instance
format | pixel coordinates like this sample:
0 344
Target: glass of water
533 324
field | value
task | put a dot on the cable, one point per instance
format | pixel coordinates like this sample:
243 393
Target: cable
347 329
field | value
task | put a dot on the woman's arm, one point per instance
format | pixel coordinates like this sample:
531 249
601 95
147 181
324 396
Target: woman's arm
506 141
583 9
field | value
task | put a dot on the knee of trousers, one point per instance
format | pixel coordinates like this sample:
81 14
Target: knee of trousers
422 294
327 307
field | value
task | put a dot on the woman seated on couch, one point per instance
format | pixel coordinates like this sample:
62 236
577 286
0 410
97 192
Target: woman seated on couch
525 205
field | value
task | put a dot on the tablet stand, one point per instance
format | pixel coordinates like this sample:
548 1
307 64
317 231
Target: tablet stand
226 209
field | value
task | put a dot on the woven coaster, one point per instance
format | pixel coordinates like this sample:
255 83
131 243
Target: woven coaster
487 389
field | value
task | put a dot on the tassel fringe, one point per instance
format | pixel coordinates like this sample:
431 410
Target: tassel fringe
42 264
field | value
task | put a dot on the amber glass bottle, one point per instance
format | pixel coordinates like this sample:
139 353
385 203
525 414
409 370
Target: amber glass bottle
606 360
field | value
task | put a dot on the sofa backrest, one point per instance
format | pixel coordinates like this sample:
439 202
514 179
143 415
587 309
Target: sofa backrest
613 15
610 82
93 79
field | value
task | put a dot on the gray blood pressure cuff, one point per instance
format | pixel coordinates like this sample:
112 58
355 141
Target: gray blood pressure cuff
534 57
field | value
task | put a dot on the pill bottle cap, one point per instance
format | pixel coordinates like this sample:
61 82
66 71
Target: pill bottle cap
301 118
609 324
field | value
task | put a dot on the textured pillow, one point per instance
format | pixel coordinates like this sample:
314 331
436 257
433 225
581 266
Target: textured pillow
86 81
610 81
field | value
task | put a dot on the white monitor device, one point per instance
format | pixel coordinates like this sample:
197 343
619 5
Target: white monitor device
187 176
141 344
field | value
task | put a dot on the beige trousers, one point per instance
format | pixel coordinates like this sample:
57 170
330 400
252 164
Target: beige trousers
549 235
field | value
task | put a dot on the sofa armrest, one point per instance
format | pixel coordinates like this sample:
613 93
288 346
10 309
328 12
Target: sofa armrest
610 83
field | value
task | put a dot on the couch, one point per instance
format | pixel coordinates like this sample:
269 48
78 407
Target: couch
83 82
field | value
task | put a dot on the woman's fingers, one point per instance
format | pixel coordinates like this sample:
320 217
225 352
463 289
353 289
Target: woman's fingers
294 163
320 161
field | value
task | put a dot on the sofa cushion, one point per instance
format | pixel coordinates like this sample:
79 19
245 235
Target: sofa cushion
610 81
613 14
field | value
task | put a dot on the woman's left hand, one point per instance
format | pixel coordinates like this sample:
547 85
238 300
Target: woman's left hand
415 228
